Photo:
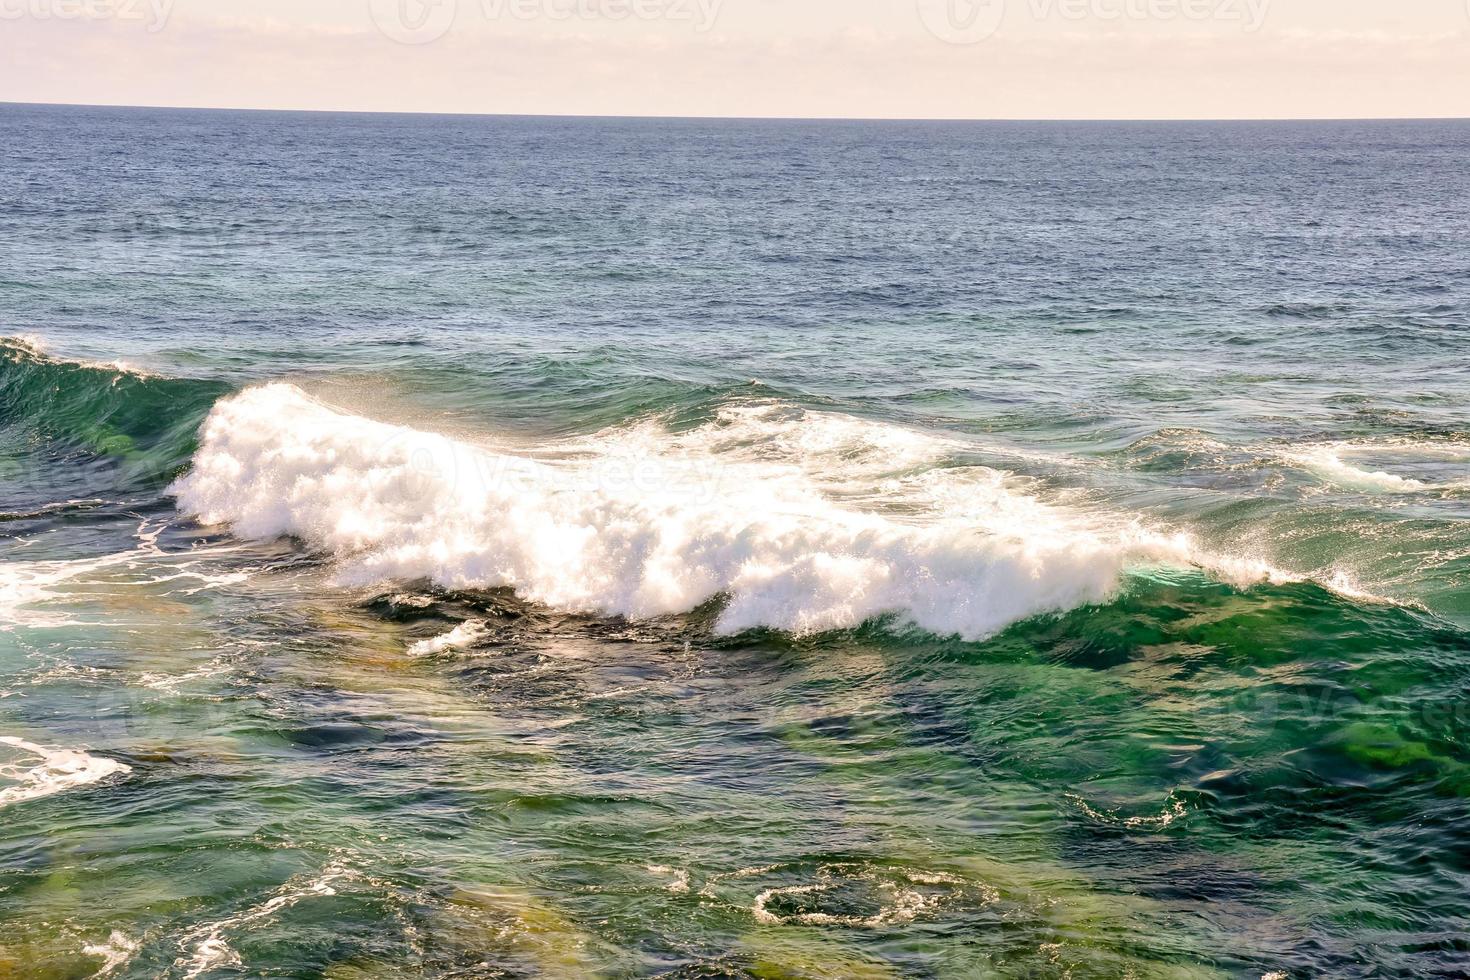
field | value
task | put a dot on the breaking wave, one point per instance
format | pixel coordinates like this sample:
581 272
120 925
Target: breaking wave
794 520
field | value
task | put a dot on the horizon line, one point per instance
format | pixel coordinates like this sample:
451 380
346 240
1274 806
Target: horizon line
730 118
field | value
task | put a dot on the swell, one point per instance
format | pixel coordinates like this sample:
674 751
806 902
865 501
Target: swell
141 426
790 519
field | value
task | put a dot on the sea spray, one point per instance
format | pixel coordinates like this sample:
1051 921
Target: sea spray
729 510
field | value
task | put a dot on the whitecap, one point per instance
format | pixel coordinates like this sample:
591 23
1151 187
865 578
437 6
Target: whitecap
1332 462
57 771
35 347
799 521
465 635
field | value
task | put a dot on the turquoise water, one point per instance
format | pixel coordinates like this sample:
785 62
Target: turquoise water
453 547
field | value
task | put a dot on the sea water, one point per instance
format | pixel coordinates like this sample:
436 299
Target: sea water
480 547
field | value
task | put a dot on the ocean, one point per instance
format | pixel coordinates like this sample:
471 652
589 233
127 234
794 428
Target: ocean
460 547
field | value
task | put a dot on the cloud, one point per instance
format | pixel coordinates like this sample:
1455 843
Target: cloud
882 68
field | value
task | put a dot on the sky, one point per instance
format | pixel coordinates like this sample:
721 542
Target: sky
969 59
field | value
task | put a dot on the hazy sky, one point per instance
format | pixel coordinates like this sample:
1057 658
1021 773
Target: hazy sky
873 58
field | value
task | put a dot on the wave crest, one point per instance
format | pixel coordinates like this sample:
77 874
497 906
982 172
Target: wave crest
800 521
143 422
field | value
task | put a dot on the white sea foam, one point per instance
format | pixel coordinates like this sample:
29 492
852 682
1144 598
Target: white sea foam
901 895
206 947
1174 810
1332 462
461 637
1327 462
115 953
36 347
679 883
172 682
804 521
45 772
31 592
